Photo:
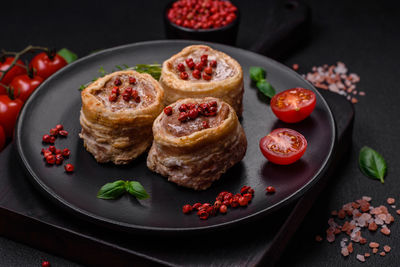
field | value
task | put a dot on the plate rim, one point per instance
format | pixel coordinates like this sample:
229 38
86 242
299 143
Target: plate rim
129 227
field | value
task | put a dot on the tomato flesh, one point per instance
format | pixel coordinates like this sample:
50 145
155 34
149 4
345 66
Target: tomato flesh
15 71
293 105
23 86
9 110
45 66
283 146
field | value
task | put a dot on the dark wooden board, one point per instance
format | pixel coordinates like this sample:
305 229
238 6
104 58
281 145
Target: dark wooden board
29 218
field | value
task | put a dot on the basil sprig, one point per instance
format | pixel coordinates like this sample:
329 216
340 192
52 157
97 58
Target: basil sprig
372 164
258 75
116 189
68 55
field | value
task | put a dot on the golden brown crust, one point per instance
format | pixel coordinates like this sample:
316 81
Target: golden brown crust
198 159
118 135
230 89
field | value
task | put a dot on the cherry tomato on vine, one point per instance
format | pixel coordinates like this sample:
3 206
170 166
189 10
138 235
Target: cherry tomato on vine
9 109
2 138
46 66
24 85
15 71
283 146
293 105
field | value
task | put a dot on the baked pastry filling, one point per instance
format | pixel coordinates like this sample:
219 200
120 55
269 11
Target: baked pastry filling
188 118
202 65
125 91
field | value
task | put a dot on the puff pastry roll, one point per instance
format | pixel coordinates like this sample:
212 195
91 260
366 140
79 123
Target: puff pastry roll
117 115
200 71
196 141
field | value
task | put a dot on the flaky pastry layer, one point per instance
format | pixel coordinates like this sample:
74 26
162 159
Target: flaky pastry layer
229 89
121 135
196 160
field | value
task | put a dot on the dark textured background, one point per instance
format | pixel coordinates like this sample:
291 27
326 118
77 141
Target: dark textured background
363 34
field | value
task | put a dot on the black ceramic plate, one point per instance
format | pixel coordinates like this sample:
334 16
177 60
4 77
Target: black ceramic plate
58 101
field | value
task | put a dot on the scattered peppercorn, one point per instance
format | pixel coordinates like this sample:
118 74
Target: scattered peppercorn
199 14
270 189
222 202
69 167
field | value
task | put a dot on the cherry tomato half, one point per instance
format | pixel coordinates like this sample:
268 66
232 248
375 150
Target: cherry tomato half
9 110
283 146
23 86
293 105
2 138
15 71
44 66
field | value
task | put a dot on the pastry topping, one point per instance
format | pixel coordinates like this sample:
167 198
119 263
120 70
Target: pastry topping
132 80
168 111
221 204
199 66
115 90
183 107
208 70
199 14
112 97
188 118
117 82
196 74
189 63
213 63
181 67
206 77
184 75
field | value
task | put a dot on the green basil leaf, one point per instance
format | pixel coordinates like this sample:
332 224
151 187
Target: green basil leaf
266 88
257 74
136 189
68 55
112 190
372 164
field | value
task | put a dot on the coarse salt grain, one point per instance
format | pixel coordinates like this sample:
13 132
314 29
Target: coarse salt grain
335 79
373 245
390 201
385 231
369 217
360 257
387 248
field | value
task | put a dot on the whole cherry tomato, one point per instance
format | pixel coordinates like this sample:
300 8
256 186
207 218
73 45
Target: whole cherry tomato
2 138
293 105
15 71
9 109
23 86
45 66
283 146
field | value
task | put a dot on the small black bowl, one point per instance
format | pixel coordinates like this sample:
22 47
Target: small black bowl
225 35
